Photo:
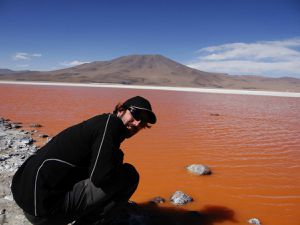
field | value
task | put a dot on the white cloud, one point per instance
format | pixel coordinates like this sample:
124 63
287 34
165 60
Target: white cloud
25 56
73 63
37 55
270 58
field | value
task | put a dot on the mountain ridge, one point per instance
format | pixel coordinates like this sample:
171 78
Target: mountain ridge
154 70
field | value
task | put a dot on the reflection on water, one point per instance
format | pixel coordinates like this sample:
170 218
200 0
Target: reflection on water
251 143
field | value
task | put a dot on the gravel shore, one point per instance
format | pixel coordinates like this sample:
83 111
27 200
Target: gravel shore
16 145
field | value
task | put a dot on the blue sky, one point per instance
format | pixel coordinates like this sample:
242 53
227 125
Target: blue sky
260 37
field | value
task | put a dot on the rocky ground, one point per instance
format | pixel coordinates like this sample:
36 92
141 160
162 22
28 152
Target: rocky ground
16 145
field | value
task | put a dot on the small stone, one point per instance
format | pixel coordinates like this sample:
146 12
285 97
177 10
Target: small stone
35 125
7 125
158 200
43 135
26 140
199 169
2 134
24 131
254 221
3 217
6 167
4 157
9 198
180 198
15 125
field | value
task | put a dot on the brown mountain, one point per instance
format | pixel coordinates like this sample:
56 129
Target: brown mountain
154 70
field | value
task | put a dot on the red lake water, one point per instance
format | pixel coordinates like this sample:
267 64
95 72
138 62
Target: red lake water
251 144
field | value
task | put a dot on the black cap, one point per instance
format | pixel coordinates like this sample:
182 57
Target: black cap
140 103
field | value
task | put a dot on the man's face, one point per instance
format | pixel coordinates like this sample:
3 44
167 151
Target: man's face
132 125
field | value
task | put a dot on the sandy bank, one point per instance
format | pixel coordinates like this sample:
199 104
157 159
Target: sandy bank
184 89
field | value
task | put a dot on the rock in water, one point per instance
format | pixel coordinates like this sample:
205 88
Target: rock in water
43 135
180 198
15 125
254 221
199 169
35 125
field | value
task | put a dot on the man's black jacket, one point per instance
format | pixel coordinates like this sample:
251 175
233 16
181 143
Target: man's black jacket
87 150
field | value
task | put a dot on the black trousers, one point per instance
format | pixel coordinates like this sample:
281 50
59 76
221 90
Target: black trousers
87 204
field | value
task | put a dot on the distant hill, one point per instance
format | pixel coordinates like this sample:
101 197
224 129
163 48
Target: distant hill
6 71
153 70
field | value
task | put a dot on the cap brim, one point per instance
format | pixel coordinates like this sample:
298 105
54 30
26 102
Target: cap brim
151 115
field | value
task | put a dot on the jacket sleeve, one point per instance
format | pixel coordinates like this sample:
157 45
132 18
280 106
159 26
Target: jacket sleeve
106 156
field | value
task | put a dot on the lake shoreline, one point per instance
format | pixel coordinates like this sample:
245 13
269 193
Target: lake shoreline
160 88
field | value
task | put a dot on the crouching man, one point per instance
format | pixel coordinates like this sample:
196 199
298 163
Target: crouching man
79 175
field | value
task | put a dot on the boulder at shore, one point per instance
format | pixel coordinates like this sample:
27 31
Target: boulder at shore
180 198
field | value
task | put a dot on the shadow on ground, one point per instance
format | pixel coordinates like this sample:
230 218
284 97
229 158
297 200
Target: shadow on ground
152 214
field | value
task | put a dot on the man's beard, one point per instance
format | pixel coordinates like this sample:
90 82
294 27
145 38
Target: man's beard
130 132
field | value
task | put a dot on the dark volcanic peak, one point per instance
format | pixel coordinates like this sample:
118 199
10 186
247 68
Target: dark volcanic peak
134 69
139 62
145 60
